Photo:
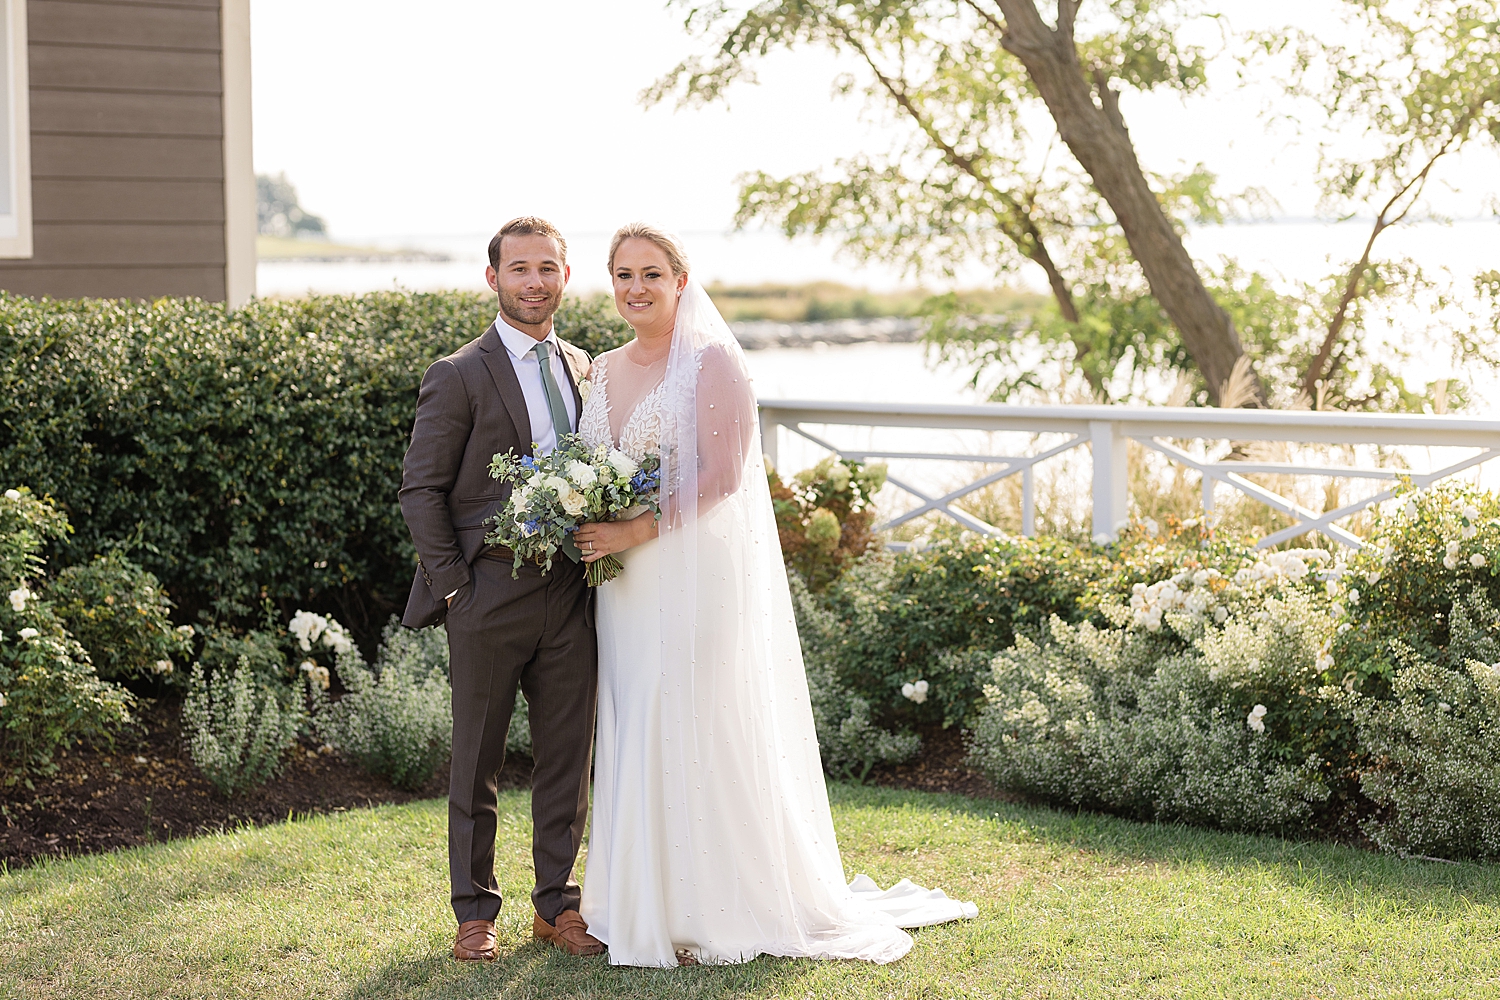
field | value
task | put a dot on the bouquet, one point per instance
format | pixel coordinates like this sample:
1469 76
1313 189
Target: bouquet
555 493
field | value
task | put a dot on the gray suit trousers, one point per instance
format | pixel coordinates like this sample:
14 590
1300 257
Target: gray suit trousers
536 632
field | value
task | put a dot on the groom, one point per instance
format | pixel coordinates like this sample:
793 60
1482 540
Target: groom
517 384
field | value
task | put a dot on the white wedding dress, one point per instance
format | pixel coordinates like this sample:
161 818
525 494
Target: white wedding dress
711 832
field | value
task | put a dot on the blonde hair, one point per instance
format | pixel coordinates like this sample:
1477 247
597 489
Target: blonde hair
660 238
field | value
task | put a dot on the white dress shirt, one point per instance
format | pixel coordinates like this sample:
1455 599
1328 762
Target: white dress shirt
529 373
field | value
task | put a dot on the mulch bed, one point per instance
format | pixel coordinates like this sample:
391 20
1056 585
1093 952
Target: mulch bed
939 767
146 789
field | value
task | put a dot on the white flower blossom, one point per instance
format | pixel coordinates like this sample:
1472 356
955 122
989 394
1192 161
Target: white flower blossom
1353 596
917 691
29 633
1478 561
18 599
12 494
585 389
307 627
582 474
1450 562
1411 509
1152 528
1468 531
1338 610
1454 548
162 667
1221 614
575 503
318 674
1373 577
186 631
623 463
1256 720
1471 513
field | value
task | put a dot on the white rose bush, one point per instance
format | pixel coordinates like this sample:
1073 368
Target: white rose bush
553 495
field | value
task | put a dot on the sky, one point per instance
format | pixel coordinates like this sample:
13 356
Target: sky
414 122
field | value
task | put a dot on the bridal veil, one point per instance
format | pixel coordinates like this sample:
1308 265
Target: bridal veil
754 859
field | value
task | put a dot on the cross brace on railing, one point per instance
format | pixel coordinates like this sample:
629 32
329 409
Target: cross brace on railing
1109 429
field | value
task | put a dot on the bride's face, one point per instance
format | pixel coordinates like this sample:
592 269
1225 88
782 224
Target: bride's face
646 290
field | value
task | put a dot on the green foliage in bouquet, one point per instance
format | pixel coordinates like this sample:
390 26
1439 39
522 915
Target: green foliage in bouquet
50 696
250 454
237 732
824 515
122 616
553 494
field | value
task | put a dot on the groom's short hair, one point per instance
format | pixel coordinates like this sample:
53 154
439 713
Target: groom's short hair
527 225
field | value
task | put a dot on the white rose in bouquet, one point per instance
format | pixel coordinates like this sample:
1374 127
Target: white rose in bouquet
581 474
575 504
623 463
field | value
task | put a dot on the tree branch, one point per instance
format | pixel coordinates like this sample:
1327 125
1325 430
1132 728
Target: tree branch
1067 17
1325 358
1109 100
1022 229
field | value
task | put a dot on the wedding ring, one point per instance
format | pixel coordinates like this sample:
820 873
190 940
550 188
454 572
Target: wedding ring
590 545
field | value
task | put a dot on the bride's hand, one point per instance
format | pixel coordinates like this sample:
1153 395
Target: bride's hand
598 539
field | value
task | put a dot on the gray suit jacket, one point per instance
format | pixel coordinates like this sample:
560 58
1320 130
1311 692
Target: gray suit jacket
469 410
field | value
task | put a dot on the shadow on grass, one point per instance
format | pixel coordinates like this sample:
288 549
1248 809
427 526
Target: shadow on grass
536 970
1331 870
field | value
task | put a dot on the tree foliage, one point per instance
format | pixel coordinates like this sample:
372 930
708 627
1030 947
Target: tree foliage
991 171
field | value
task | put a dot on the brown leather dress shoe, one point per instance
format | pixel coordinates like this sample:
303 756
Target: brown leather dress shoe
475 941
570 934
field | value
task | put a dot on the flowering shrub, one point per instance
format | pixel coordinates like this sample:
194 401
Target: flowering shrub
1102 719
50 696
824 516
1434 746
237 741
120 614
395 721
940 614
1276 691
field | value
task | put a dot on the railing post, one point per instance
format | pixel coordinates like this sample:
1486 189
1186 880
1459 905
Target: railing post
1111 479
768 436
1028 502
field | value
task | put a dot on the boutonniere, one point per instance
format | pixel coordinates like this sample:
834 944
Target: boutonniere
584 388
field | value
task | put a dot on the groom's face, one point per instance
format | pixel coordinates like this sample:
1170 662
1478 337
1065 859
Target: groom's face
530 278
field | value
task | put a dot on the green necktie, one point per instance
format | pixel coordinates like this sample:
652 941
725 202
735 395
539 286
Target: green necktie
559 410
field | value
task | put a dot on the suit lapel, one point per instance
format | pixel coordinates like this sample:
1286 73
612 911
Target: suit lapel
497 360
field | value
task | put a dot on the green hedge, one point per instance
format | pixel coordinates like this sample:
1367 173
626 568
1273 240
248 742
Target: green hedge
246 456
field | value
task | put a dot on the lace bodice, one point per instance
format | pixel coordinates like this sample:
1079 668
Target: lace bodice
640 434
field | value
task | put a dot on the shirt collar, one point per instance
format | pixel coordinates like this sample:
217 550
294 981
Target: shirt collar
521 344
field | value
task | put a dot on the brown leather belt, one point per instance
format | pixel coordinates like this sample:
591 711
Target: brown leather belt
498 552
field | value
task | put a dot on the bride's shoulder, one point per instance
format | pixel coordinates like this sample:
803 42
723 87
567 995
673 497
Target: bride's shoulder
720 363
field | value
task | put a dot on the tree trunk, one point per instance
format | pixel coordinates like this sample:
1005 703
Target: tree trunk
1096 135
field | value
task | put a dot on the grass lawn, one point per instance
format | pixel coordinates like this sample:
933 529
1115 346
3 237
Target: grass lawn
354 906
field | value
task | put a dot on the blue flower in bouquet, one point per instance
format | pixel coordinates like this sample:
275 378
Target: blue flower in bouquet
554 494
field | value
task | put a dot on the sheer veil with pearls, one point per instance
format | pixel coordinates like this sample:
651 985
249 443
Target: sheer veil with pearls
748 827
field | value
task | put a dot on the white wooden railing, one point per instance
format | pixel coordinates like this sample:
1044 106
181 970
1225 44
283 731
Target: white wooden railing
1107 430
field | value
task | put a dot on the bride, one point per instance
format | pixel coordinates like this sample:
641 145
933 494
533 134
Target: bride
712 839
